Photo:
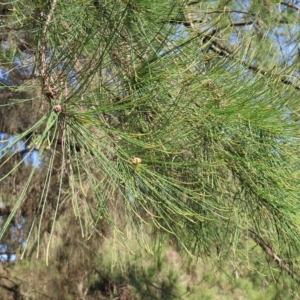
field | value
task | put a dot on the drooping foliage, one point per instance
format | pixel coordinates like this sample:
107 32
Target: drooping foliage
170 117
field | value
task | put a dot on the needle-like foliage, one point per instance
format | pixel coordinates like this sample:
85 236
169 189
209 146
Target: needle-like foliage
152 114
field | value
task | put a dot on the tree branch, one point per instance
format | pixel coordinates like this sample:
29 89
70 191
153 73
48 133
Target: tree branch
242 23
290 5
184 22
50 92
223 50
268 250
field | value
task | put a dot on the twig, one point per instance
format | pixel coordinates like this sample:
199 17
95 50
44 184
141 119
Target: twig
290 5
184 22
50 92
242 23
267 249
225 51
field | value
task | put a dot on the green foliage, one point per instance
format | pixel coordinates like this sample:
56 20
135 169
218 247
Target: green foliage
168 117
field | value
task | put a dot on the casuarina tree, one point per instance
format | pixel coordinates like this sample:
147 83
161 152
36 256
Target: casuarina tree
150 120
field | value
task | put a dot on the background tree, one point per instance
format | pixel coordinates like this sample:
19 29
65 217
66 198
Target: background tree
169 123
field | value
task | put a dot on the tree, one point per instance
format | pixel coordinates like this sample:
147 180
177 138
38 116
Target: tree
174 118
